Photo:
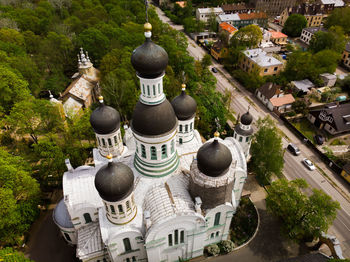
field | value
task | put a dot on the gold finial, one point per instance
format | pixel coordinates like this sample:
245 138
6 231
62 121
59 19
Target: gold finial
109 156
148 27
100 98
183 86
216 134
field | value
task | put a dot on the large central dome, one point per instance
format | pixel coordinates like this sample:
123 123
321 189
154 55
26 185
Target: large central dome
149 59
153 120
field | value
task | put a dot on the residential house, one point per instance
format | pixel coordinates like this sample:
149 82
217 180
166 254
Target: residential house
328 79
313 13
219 50
227 29
272 7
302 87
257 59
346 56
241 20
232 19
329 5
237 8
84 90
267 45
203 14
333 118
308 33
273 98
346 172
278 38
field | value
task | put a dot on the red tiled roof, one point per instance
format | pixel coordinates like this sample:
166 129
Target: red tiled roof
250 16
227 27
284 100
275 34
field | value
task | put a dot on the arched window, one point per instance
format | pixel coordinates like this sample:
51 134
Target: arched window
191 126
148 91
217 219
153 153
172 146
154 90
164 152
109 142
240 139
99 142
212 235
186 128
137 147
115 140
180 141
120 208
180 128
143 89
217 234
87 218
127 205
133 259
170 240
103 142
127 245
112 209
182 236
67 237
247 139
143 151
159 89
176 233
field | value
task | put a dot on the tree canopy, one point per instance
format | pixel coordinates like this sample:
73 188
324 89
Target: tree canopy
249 36
339 17
294 25
266 151
333 39
304 217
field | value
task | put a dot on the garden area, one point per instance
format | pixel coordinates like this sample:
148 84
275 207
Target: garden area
243 226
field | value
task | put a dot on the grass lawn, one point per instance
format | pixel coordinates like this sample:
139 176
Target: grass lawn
305 127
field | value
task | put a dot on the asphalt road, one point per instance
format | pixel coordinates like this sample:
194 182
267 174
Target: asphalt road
335 186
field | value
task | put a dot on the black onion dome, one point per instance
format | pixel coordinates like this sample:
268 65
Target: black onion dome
114 181
214 158
153 120
105 119
246 119
149 59
184 106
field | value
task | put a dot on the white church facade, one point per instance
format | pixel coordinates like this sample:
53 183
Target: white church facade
158 193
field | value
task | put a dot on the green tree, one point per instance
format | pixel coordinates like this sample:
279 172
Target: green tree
206 61
304 217
249 36
266 151
294 25
34 117
8 254
19 194
334 40
301 106
339 17
300 65
326 61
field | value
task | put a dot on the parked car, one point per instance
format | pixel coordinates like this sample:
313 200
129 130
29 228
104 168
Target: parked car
308 164
319 139
293 149
214 70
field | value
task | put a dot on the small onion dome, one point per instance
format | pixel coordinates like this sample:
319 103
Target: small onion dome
246 119
149 60
153 120
214 158
184 106
104 119
114 181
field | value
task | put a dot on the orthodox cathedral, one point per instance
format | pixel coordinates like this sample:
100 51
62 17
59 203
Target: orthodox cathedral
158 193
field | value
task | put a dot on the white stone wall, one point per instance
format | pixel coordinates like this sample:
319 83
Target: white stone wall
219 231
244 141
110 143
306 36
80 216
157 238
121 212
185 131
72 234
151 90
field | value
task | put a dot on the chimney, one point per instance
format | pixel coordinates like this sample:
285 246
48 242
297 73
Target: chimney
68 165
198 204
147 218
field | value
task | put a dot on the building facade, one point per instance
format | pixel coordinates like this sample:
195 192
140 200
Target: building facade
272 7
314 13
204 14
345 59
257 59
162 195
308 33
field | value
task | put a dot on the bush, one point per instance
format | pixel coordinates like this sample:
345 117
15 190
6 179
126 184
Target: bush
213 250
226 246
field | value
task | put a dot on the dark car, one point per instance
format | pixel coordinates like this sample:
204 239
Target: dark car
214 70
293 149
319 139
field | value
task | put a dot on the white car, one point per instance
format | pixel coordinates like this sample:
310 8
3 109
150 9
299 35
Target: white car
309 164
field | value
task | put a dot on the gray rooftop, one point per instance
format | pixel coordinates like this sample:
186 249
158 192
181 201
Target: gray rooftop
303 85
313 30
261 58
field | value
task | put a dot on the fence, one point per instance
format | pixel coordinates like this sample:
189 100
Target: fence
332 165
